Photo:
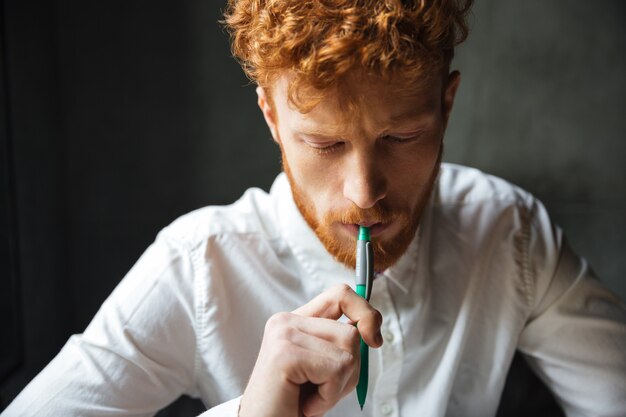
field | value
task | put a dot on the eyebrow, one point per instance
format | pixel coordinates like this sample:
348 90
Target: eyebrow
413 114
410 115
332 132
319 134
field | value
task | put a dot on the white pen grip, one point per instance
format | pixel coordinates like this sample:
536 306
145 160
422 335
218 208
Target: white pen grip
361 262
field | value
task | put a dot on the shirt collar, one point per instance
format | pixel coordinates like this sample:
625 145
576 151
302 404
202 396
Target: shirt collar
313 256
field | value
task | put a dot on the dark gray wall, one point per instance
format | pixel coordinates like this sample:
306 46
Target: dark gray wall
125 115
158 121
543 103
35 184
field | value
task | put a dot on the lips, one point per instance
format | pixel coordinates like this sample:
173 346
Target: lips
376 228
367 224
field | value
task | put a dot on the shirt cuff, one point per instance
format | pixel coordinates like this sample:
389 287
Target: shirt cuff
227 409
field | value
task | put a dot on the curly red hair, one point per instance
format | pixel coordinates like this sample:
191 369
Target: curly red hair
322 42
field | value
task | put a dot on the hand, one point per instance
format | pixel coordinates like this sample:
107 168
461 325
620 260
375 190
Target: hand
308 360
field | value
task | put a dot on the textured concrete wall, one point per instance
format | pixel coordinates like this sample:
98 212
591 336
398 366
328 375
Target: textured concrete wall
543 104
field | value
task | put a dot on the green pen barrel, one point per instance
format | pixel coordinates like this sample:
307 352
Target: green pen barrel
361 387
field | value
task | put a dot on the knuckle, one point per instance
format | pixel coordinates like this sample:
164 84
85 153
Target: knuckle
276 323
342 290
278 319
287 333
281 332
347 362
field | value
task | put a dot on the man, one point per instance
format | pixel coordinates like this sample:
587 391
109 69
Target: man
242 305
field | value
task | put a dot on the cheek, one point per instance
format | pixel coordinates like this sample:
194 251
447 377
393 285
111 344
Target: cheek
410 175
317 182
414 170
309 173
308 169
322 184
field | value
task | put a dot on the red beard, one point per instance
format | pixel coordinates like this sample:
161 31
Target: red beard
386 251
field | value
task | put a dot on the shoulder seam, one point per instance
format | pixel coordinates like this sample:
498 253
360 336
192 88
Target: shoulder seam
526 271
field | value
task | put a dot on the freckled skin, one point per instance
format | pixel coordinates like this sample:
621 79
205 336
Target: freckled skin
377 163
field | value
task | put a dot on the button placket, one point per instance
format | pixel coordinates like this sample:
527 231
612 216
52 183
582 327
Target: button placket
391 356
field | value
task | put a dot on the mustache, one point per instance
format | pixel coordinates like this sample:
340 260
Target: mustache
353 215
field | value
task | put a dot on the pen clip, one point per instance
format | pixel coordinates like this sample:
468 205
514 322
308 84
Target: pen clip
369 269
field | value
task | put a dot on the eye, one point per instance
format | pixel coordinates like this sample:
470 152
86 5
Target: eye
323 147
398 139
402 138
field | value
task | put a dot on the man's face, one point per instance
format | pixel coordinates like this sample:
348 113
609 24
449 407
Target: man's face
373 166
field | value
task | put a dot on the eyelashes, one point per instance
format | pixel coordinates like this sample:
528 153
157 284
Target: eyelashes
401 139
322 149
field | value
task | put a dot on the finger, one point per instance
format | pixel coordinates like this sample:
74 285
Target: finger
331 302
326 397
340 300
316 404
341 365
343 335
305 358
319 362
287 326
333 380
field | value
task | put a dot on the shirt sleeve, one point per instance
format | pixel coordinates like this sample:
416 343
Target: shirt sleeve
138 353
575 339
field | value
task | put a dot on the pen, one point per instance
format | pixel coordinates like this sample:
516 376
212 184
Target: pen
364 277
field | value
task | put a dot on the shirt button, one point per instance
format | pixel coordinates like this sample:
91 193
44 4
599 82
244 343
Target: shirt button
386 409
388 335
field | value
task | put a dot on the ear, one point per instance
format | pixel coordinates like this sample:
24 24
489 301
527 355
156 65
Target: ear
452 85
265 104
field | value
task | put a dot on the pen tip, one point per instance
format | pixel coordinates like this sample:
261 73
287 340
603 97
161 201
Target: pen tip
361 402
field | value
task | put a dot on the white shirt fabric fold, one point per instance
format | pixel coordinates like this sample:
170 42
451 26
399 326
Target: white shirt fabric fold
487 273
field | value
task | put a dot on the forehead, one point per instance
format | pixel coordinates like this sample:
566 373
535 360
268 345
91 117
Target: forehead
359 103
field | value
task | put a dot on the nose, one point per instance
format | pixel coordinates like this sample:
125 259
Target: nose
364 183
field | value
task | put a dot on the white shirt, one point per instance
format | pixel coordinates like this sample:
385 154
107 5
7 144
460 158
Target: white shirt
486 274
